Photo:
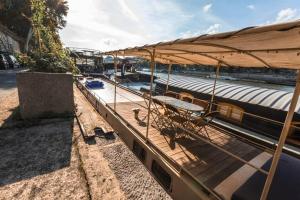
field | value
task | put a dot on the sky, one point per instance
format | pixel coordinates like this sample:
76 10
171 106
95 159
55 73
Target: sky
114 24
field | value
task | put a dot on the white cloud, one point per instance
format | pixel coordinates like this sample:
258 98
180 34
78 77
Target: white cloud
286 15
189 33
109 41
103 25
127 11
251 7
207 8
212 29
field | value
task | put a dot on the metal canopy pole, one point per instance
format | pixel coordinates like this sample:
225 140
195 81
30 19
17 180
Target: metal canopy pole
283 135
152 63
214 88
169 71
115 95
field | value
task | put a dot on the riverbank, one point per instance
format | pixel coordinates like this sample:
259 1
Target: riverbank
49 158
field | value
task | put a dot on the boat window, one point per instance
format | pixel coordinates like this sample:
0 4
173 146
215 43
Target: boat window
162 176
237 113
139 151
230 112
224 109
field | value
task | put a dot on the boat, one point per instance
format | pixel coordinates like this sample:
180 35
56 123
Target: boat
94 84
223 164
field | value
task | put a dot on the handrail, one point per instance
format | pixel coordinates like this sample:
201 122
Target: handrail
204 140
242 160
258 116
157 150
263 118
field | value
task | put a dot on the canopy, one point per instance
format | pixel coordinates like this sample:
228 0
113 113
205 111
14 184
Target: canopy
275 46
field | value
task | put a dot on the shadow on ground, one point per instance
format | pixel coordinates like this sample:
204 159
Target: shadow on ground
36 149
104 137
13 118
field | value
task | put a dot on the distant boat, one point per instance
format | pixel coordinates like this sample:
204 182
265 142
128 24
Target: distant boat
94 84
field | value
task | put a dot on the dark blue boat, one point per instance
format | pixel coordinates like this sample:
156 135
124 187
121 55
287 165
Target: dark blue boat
94 84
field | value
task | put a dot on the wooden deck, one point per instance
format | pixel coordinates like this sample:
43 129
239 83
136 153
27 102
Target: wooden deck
204 162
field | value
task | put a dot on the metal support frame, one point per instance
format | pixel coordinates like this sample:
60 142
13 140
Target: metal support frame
283 136
214 88
287 123
194 53
169 71
159 58
116 70
152 63
289 116
226 47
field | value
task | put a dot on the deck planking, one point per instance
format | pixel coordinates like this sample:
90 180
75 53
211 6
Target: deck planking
204 162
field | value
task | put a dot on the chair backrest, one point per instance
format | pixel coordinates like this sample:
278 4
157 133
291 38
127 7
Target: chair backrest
157 102
201 103
187 99
172 108
185 94
172 94
146 95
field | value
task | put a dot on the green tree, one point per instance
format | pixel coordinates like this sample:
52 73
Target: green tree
42 20
16 15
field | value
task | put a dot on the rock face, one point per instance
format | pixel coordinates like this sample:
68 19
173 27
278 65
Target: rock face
45 94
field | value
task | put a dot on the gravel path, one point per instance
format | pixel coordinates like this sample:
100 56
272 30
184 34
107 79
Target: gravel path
135 180
50 160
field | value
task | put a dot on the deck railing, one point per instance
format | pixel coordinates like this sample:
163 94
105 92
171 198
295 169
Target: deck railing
96 99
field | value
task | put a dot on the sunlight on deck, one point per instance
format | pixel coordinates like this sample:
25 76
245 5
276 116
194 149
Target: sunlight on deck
206 160
206 163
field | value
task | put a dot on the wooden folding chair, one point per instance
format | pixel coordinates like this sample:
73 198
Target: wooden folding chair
176 117
187 99
203 104
157 111
201 122
172 94
184 96
159 118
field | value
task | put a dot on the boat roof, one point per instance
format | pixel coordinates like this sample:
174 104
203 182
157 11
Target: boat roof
271 98
272 46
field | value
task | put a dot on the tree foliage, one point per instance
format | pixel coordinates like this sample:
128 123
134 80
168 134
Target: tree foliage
49 54
45 18
16 14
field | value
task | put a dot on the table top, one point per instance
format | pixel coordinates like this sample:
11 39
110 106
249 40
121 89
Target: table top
179 103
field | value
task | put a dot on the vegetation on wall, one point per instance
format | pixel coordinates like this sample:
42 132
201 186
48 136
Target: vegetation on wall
42 20
48 54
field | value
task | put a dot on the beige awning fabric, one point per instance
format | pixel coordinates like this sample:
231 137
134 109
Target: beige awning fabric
274 46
